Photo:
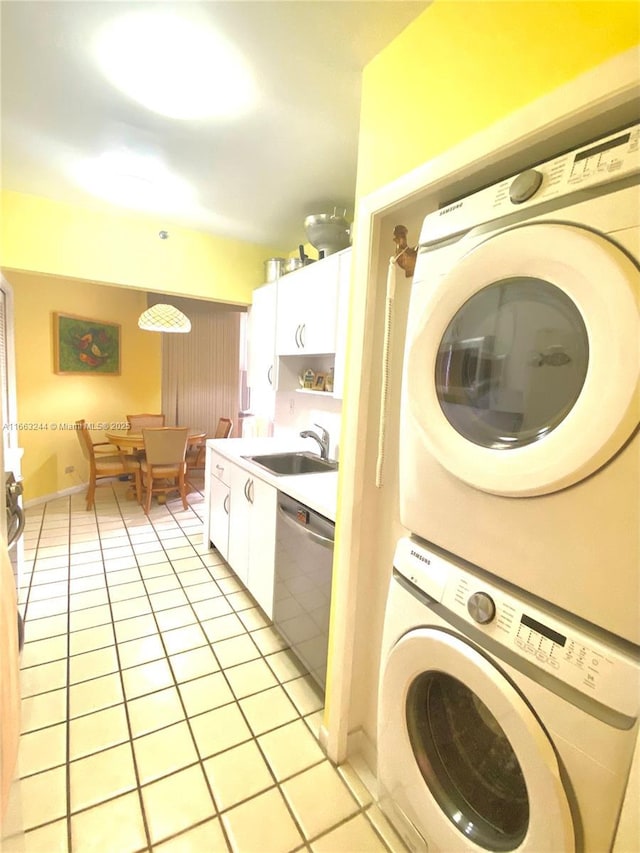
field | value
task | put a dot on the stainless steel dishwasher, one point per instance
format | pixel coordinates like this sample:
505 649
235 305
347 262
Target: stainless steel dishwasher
302 596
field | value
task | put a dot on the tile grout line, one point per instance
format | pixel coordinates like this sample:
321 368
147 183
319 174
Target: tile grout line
136 770
177 689
68 690
240 709
261 656
306 841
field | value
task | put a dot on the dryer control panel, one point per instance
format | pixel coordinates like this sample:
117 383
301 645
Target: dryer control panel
608 159
555 645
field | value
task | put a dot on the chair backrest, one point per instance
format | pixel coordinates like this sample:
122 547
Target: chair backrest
85 440
223 430
165 445
138 422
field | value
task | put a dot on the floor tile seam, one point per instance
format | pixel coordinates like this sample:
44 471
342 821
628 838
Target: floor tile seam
187 829
261 750
222 670
359 807
68 698
25 604
195 554
361 811
365 810
136 771
145 594
72 717
197 618
186 719
247 723
110 799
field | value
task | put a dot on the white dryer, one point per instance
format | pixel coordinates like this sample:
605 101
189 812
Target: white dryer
501 726
519 439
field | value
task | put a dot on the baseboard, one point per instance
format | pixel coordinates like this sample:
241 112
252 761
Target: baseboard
323 737
362 755
72 490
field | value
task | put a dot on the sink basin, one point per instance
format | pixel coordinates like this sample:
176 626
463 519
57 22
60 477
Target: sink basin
286 464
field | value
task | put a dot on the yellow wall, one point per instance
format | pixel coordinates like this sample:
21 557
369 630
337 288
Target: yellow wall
461 66
40 235
62 257
47 398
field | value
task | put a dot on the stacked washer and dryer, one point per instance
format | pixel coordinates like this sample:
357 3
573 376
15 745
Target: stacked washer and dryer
510 670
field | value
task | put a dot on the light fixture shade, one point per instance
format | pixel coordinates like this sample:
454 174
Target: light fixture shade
164 318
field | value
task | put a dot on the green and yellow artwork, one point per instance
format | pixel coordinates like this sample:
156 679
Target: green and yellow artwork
83 346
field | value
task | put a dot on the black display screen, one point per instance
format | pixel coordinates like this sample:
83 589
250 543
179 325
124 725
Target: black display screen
604 146
542 629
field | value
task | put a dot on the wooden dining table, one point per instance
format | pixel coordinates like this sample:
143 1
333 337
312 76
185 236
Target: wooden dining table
128 440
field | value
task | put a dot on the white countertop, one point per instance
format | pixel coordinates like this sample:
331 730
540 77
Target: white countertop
317 491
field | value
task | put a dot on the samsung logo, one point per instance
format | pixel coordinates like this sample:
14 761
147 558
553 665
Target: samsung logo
420 557
449 209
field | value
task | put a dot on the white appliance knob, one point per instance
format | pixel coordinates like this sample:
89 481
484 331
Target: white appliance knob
525 185
481 607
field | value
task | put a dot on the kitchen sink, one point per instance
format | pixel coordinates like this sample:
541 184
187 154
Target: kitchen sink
287 464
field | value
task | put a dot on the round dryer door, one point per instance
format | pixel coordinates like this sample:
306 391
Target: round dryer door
461 753
523 368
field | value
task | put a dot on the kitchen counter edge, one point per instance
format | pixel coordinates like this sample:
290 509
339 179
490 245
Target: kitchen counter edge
317 491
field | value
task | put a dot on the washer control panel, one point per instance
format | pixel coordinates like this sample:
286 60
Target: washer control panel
610 158
550 643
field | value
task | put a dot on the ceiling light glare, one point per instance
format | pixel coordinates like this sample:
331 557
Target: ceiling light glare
135 181
174 66
164 318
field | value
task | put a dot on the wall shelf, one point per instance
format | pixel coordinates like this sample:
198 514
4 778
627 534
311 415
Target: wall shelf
311 391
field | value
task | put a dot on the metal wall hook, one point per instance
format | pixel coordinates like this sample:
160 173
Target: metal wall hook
405 255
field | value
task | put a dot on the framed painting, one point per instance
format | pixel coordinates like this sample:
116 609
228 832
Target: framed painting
83 347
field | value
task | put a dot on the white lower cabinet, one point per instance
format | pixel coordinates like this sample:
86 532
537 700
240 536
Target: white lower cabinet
252 534
219 504
219 515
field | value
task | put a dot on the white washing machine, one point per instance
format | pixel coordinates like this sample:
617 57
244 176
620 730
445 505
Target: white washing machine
501 726
519 439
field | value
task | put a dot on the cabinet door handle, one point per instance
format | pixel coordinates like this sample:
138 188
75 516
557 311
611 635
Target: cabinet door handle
225 503
270 375
246 489
220 468
302 329
296 336
251 487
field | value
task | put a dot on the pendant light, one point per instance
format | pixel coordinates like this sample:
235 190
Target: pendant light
164 318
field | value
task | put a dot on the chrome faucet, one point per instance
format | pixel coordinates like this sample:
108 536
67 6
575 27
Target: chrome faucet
322 440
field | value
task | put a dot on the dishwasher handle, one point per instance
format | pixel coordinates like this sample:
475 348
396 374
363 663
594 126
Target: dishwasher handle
325 541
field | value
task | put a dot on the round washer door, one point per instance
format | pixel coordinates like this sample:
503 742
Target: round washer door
461 753
523 362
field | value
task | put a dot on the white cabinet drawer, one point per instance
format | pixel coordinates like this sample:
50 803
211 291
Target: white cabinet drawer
221 468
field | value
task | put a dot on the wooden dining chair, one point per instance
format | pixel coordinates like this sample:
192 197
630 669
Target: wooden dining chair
102 466
196 453
224 428
138 422
164 467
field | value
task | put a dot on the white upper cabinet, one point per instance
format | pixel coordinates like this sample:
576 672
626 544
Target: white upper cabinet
307 308
262 350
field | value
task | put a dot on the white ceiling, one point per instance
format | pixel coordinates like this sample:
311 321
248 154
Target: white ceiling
256 176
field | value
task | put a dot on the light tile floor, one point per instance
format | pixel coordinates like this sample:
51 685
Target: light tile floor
161 710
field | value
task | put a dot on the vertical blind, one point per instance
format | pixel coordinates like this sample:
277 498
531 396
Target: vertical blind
201 371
